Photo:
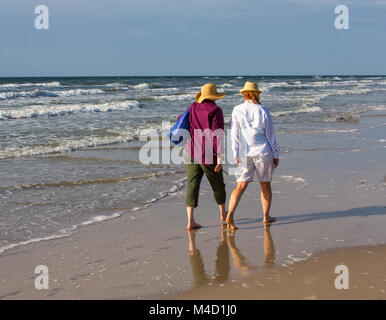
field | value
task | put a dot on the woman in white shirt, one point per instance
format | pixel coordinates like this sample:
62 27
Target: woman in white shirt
255 150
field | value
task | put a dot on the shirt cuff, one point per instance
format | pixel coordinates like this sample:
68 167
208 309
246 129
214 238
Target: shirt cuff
220 159
276 155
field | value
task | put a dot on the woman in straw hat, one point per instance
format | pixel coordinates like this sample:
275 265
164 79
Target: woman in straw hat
203 152
255 150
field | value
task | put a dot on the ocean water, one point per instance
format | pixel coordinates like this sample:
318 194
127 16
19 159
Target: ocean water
69 146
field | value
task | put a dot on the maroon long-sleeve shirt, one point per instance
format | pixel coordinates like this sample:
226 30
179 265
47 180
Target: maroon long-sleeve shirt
206 131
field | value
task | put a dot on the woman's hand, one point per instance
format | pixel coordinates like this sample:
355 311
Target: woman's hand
218 168
275 163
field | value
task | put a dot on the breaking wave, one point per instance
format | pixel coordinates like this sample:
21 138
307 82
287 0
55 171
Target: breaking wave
66 145
65 109
46 93
294 111
41 84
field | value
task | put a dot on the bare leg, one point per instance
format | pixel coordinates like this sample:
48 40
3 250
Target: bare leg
234 201
191 223
266 199
223 212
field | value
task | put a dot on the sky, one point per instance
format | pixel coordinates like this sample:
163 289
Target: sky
192 37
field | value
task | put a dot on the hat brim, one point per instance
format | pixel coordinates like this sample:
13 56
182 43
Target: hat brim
244 90
200 98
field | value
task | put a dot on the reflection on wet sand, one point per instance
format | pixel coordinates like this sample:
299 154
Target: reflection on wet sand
238 259
269 248
226 244
198 269
222 260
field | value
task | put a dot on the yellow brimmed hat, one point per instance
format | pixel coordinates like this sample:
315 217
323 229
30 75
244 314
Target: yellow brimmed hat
209 91
250 86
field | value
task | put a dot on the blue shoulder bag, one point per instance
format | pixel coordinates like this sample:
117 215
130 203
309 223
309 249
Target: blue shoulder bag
180 131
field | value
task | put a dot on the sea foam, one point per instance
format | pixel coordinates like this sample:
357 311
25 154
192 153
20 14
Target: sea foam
175 97
41 84
294 111
47 93
141 86
65 109
66 145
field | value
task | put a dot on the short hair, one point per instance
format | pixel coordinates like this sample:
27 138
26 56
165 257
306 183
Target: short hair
251 95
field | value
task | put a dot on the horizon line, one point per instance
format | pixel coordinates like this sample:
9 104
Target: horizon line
203 75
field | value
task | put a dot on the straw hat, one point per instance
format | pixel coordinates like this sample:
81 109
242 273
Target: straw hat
250 86
209 91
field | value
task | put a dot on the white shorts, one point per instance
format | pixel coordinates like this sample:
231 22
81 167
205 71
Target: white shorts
262 165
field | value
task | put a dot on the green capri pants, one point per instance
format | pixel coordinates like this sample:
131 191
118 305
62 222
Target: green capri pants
194 173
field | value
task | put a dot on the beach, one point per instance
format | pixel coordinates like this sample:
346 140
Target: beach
103 105
329 200
70 147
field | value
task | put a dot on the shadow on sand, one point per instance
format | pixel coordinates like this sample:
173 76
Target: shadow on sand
307 217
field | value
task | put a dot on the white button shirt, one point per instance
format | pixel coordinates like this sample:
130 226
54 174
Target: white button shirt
252 131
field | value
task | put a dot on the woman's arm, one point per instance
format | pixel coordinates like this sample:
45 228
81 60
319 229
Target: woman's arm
270 134
235 136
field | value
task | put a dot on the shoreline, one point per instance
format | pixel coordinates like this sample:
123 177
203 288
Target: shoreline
146 254
68 232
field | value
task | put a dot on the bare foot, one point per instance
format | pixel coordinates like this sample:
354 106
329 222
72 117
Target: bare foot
269 219
231 224
193 225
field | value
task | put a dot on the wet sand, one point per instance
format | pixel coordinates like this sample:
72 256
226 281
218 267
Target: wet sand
311 279
329 200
